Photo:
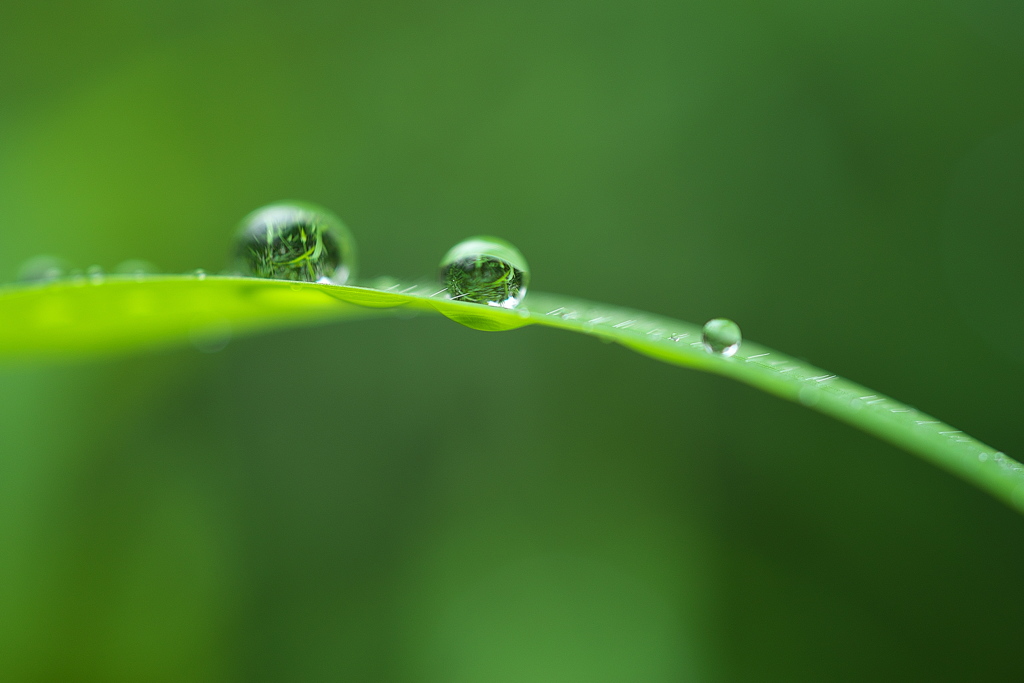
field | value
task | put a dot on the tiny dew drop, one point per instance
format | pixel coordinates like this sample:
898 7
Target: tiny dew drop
211 336
41 269
809 396
385 283
199 273
485 270
136 267
295 241
722 337
95 274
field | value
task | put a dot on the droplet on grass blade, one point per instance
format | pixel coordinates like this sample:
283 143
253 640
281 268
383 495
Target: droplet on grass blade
211 336
136 267
485 270
722 337
295 241
42 268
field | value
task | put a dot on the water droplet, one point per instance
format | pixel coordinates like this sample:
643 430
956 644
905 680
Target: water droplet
41 269
722 337
485 270
809 395
295 241
211 336
136 267
385 283
199 273
95 274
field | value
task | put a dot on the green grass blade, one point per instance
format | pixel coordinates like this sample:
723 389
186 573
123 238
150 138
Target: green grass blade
70 318
80 317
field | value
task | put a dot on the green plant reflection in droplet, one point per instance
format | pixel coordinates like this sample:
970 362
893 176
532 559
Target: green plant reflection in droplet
485 270
295 241
722 336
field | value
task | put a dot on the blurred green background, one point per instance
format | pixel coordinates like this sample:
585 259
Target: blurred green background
409 500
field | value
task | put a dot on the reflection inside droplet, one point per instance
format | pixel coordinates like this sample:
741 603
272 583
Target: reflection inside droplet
295 241
722 337
485 270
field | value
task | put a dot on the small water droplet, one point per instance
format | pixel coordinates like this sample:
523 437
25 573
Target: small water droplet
385 283
136 267
296 241
983 456
722 337
211 336
809 395
485 270
41 269
199 273
95 274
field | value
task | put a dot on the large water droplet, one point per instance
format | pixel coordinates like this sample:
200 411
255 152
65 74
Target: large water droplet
296 241
41 269
485 270
722 337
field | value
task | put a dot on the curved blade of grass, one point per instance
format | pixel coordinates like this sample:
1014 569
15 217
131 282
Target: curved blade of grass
71 318
80 317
